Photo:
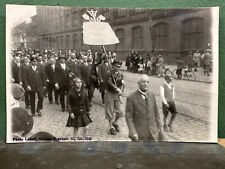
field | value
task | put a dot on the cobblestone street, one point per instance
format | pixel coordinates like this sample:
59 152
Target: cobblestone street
191 124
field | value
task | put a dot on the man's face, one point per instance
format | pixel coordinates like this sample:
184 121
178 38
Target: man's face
17 59
73 56
84 58
52 61
143 84
34 63
115 68
62 60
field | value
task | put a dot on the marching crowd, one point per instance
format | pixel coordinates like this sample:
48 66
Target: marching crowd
73 77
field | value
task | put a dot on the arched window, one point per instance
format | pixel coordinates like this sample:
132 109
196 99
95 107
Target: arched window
161 36
192 33
137 37
120 36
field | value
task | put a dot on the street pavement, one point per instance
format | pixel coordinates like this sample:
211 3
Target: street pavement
193 122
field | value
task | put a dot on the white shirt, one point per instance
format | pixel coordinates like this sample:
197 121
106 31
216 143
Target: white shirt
53 67
162 92
34 68
143 94
63 65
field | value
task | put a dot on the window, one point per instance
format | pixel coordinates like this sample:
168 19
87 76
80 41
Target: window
75 20
120 36
67 41
192 33
61 42
161 36
67 21
75 42
120 13
137 34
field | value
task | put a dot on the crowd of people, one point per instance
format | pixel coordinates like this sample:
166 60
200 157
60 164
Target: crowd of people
155 64
73 77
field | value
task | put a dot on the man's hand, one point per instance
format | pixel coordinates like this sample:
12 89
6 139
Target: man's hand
47 80
44 88
28 88
21 83
119 91
12 80
57 86
72 115
167 105
135 137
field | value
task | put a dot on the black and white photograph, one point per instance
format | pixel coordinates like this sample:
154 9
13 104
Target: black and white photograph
81 74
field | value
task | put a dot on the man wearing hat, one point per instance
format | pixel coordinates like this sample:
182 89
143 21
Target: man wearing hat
34 80
62 79
113 103
168 102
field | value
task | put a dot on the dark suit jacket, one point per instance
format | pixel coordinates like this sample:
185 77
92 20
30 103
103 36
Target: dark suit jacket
74 68
51 74
102 72
142 118
62 76
24 69
35 79
16 73
86 72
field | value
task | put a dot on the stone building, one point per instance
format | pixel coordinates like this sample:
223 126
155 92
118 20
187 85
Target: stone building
171 32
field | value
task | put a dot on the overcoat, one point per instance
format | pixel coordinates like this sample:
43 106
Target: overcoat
142 116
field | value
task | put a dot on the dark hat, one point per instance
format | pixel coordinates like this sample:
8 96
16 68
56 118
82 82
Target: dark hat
21 121
117 63
62 56
33 59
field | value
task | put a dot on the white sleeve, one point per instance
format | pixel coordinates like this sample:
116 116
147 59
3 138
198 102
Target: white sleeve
162 95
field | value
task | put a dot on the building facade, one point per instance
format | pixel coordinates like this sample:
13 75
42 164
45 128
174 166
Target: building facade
171 32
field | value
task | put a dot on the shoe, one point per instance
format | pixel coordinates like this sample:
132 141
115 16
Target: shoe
27 107
116 127
166 128
57 103
33 115
63 110
112 131
39 113
50 102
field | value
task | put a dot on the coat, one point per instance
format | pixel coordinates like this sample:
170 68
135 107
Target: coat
142 118
102 73
16 72
35 79
62 76
51 74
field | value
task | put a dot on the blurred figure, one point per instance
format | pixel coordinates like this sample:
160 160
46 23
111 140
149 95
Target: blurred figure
168 102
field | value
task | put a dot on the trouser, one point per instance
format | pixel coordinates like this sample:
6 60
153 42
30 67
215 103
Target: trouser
62 93
113 106
91 90
27 98
32 101
51 88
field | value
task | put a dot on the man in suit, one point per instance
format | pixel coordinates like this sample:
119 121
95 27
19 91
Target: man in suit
51 80
73 65
24 68
103 69
62 79
34 80
16 70
142 114
88 77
